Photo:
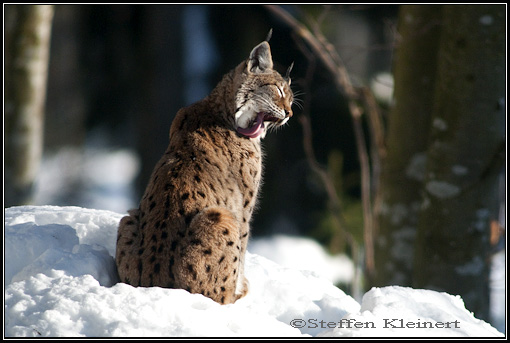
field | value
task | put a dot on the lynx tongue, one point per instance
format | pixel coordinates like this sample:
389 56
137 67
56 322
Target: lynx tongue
256 129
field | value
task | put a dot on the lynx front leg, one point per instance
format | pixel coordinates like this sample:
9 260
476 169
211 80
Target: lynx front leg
209 261
242 282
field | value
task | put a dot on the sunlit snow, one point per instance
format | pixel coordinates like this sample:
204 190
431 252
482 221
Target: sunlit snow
61 281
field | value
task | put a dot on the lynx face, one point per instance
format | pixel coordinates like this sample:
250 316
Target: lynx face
264 98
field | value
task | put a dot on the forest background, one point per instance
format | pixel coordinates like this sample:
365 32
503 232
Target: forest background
395 155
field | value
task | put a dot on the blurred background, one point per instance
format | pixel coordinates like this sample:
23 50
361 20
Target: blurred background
117 75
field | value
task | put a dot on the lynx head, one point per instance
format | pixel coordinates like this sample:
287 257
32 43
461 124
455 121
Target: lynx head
264 98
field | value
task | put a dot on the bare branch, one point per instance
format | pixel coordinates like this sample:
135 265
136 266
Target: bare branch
338 70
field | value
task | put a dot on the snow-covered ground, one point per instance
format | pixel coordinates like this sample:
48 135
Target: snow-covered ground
60 280
303 254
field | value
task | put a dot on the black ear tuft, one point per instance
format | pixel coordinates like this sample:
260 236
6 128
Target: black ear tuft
269 35
260 60
287 74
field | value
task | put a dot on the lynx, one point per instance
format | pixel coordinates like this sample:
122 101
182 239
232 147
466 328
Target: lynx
192 226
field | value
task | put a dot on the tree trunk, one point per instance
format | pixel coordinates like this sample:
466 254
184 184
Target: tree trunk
408 130
27 54
465 156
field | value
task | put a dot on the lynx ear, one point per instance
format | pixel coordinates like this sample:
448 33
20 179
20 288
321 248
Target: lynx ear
260 59
287 74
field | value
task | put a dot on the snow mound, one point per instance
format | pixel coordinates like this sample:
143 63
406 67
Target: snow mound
60 281
288 251
400 311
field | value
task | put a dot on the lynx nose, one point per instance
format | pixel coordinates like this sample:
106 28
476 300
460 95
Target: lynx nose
288 113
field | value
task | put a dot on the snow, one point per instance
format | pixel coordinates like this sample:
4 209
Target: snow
498 293
439 124
417 167
459 170
60 281
412 313
92 176
287 251
442 189
486 20
382 86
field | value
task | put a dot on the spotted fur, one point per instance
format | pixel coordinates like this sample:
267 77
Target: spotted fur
192 226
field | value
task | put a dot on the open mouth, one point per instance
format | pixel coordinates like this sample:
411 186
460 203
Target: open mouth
257 127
